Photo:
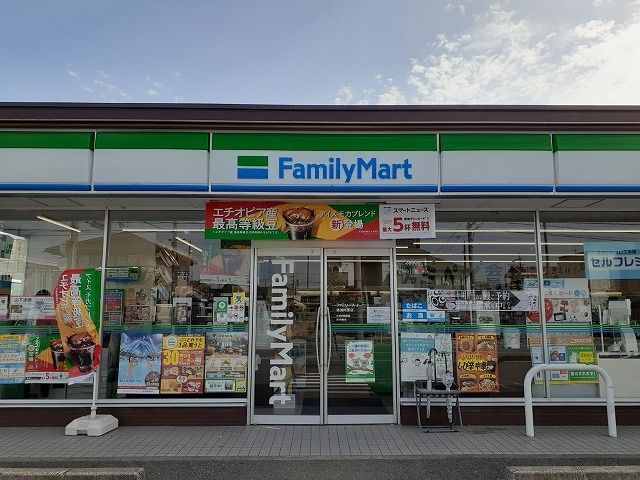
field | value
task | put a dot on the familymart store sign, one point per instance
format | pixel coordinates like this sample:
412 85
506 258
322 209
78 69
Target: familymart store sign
263 162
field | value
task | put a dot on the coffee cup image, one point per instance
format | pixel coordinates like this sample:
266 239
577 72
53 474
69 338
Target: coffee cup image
57 353
80 351
300 221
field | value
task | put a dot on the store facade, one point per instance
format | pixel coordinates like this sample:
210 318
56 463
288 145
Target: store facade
284 265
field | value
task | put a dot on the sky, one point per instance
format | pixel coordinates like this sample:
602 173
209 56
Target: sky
360 52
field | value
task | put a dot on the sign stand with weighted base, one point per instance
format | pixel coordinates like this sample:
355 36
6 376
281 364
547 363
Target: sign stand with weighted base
94 425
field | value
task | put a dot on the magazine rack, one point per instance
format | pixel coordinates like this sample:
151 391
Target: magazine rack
424 391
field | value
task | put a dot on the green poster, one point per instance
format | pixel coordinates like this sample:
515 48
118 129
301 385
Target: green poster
583 354
221 306
359 367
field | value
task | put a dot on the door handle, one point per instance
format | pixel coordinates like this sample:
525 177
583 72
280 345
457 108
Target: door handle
318 339
330 338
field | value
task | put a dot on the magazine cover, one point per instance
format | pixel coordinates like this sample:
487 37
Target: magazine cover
226 362
139 363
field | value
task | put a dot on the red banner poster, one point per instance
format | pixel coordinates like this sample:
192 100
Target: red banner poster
77 303
293 221
477 362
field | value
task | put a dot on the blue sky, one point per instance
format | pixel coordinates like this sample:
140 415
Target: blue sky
310 52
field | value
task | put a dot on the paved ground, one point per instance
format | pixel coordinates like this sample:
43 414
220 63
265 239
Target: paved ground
313 453
320 441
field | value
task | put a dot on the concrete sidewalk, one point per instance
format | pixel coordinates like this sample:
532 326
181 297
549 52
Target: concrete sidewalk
316 441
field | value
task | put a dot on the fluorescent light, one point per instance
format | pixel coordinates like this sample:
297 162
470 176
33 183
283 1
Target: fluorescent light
583 230
469 254
11 235
63 225
189 244
485 230
483 261
565 254
474 243
571 244
563 261
16 280
156 230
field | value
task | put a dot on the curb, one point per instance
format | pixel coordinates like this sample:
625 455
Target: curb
73 473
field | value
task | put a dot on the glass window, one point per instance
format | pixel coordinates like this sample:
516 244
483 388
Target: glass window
33 253
467 303
176 310
592 299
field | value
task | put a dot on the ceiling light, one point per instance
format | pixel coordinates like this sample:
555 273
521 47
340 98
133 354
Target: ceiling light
156 230
59 224
472 254
486 230
474 243
582 230
189 244
571 244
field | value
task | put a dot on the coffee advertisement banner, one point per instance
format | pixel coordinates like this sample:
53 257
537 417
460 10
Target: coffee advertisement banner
77 303
293 221
46 360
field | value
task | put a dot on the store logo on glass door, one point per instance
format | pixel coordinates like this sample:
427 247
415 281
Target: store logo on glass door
280 319
253 167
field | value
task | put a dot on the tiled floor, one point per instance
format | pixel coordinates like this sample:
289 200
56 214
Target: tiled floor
351 440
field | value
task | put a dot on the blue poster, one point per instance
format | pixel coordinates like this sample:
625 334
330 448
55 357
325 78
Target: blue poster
612 260
13 358
417 312
139 364
416 349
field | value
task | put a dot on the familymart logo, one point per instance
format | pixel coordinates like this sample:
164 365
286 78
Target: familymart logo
256 167
253 167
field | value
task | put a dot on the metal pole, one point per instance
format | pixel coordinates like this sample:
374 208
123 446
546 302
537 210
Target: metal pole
528 397
541 309
103 278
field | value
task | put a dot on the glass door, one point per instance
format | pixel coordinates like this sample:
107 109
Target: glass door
359 337
322 336
288 312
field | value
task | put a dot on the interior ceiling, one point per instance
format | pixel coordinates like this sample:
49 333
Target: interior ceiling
498 203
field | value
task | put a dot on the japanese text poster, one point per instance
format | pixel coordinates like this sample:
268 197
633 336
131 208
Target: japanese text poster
359 361
182 364
477 362
226 362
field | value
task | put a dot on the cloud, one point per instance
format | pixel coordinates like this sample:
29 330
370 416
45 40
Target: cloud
392 96
72 74
504 59
152 93
176 74
344 96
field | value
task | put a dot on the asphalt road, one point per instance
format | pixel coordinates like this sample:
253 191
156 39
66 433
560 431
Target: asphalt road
407 468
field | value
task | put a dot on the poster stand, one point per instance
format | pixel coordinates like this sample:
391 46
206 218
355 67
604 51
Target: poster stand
94 425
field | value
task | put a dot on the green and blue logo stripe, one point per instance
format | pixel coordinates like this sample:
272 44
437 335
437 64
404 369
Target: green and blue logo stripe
253 167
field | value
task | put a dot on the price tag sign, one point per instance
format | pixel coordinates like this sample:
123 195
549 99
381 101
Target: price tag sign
407 221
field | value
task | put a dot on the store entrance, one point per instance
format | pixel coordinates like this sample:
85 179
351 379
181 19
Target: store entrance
323 320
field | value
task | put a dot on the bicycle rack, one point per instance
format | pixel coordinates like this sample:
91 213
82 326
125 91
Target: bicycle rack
528 396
